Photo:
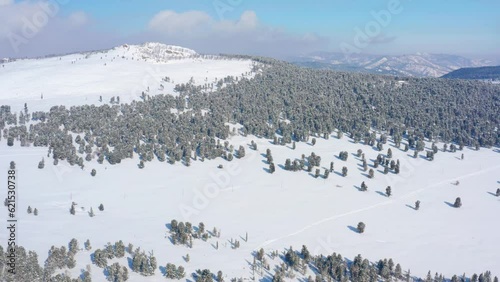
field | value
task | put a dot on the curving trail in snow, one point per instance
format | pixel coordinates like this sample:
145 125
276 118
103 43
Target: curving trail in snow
385 203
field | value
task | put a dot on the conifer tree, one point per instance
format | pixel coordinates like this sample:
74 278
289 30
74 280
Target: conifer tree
344 171
361 227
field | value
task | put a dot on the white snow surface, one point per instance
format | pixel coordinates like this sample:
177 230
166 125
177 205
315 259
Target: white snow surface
277 210
125 71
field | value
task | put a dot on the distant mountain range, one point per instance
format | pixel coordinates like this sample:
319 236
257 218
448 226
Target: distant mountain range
418 65
492 73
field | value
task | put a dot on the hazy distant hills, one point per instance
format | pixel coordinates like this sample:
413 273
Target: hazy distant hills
475 73
418 65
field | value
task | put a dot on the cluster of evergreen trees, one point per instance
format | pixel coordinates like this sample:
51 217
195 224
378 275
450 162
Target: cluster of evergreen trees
337 268
174 272
183 233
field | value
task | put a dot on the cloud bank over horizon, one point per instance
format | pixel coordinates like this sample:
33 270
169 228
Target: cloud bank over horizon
45 27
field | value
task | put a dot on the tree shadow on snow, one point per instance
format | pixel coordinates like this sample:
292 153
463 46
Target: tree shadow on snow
492 194
163 270
353 229
130 264
357 187
266 169
383 194
105 272
411 207
449 204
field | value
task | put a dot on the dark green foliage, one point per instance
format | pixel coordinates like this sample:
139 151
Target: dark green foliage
72 209
343 155
119 249
490 72
272 168
87 245
101 207
305 254
143 264
344 171
417 205
364 187
203 275
10 141
94 172
371 173
241 152
100 258
73 246
458 202
430 155
361 227
292 258
30 210
498 192
388 191
174 272
41 164
116 273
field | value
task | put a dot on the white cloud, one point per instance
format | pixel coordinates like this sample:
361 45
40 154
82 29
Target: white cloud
6 2
78 18
172 22
198 30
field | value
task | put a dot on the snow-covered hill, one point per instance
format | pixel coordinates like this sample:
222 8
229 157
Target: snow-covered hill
125 71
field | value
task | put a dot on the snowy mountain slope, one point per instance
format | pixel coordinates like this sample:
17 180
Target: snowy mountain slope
125 71
277 210
419 65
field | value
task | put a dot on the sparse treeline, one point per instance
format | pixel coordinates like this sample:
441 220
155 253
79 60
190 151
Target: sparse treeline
290 101
334 267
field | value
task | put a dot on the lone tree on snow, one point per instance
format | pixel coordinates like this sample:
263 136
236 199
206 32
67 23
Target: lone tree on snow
458 203
417 205
363 186
498 192
388 191
361 227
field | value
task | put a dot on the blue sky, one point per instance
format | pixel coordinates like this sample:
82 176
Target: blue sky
274 28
